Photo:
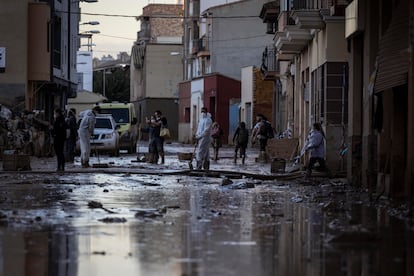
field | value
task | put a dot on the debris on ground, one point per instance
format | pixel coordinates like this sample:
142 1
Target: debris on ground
148 213
113 220
97 205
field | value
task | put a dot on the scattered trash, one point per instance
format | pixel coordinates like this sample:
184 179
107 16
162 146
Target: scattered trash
226 181
98 205
164 209
238 185
113 220
148 213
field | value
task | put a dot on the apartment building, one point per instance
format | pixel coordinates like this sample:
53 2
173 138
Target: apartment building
38 54
308 63
156 67
348 65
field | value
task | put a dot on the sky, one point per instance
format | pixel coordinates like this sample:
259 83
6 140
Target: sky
118 26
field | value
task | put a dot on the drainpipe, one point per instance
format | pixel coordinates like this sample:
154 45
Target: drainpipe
409 176
69 90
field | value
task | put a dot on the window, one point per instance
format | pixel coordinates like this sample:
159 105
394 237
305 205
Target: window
120 114
103 123
57 44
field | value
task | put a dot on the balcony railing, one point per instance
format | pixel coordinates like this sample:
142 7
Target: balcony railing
270 66
200 47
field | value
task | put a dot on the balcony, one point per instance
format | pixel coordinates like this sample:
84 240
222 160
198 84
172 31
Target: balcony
203 49
298 36
292 40
284 20
270 65
308 19
269 13
286 50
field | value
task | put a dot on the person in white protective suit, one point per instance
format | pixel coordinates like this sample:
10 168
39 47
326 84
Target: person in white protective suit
85 132
203 136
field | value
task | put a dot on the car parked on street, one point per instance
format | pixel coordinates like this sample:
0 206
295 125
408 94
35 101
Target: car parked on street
105 136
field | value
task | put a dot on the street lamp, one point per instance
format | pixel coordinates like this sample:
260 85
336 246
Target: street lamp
90 23
91 32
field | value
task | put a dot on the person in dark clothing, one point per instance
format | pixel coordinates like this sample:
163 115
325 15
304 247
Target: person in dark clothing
257 135
241 139
59 137
71 135
262 131
216 136
155 142
161 121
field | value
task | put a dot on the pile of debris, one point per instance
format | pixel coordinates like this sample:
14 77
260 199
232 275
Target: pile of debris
25 132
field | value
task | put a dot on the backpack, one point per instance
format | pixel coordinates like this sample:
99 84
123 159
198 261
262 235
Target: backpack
266 130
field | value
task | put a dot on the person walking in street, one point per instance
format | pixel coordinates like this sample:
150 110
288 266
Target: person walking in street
85 132
316 147
71 135
162 122
59 137
216 135
241 139
262 131
203 137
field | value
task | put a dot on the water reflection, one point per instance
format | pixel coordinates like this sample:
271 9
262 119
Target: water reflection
215 231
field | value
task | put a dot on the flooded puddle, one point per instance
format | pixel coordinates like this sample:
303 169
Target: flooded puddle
179 225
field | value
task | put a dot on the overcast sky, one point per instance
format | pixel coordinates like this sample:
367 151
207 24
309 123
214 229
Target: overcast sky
118 30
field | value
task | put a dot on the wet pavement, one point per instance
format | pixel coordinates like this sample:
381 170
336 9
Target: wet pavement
135 218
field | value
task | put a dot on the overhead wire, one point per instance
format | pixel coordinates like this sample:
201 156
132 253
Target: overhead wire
169 17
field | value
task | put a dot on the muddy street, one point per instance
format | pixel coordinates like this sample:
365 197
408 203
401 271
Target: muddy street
143 219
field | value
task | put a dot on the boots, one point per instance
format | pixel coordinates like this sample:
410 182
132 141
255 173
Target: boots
243 158
198 165
162 158
206 165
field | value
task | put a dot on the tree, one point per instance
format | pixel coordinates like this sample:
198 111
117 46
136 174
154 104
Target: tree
117 85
